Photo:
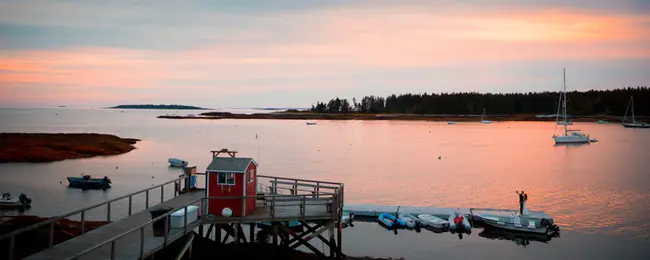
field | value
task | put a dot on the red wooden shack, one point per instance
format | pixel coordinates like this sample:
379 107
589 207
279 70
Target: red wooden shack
231 176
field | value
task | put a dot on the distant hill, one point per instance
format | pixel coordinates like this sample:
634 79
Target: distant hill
151 106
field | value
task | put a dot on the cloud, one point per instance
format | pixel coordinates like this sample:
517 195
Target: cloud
203 51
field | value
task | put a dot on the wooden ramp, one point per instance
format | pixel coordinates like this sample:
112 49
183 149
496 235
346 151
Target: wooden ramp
127 247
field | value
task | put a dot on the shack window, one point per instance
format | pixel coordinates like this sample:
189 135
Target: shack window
226 178
251 176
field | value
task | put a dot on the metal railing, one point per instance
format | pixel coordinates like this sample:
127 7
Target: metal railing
203 214
53 220
141 228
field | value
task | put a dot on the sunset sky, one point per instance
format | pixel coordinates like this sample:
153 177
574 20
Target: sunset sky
291 53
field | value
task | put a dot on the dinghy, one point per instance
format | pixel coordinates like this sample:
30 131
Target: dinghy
458 222
409 219
389 220
433 221
13 202
177 162
347 220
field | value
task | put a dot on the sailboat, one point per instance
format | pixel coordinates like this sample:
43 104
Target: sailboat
569 136
485 121
634 123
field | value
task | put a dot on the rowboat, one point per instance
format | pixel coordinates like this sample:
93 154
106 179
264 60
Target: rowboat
177 162
86 182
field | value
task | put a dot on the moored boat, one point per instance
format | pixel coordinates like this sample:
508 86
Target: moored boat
531 222
12 202
433 221
410 220
389 220
459 223
86 182
177 162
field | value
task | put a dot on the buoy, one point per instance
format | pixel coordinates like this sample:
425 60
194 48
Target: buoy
226 212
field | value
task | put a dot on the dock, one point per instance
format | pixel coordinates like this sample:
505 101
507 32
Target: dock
316 204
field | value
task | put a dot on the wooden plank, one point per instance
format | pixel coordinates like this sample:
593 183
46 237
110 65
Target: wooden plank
127 247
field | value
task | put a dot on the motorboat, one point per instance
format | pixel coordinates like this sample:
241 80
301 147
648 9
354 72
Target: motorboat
602 122
531 222
451 122
390 221
459 223
12 202
177 162
310 123
86 182
429 220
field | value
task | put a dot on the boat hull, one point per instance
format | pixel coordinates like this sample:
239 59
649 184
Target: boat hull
79 182
518 228
177 162
636 125
433 221
571 139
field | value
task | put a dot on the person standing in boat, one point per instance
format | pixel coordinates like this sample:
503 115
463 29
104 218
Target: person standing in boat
521 201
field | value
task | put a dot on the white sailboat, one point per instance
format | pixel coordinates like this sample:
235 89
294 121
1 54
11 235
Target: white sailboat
485 121
634 123
570 136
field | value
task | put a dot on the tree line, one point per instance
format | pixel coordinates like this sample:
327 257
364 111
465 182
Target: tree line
592 102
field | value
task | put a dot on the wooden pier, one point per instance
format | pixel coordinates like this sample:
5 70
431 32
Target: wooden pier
318 205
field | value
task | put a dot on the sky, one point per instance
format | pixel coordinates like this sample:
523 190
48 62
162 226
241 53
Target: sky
292 53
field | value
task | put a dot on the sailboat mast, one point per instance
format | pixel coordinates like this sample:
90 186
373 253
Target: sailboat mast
564 94
632 100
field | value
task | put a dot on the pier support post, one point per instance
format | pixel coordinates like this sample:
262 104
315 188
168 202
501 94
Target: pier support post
332 242
217 234
252 232
275 233
236 233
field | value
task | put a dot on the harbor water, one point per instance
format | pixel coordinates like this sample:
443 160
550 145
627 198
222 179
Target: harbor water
598 193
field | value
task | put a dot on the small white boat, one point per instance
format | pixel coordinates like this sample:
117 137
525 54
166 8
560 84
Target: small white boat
12 202
458 222
433 221
347 220
177 162
410 220
531 222
602 122
310 123
451 122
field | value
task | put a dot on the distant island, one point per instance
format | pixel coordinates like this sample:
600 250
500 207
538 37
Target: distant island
37 147
151 106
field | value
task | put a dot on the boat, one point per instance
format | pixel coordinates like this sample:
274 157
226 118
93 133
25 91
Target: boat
177 162
570 136
602 122
451 122
310 123
634 123
485 121
458 223
389 220
347 220
410 220
429 220
530 222
294 225
86 182
12 202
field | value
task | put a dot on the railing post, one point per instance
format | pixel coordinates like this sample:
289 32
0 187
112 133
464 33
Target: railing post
273 206
162 193
185 220
295 188
303 204
130 204
317 188
141 242
113 250
108 212
11 247
83 221
51 234
146 200
166 228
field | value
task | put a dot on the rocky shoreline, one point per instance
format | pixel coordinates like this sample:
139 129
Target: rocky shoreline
415 117
37 147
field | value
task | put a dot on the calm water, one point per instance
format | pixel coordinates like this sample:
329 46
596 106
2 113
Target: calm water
598 193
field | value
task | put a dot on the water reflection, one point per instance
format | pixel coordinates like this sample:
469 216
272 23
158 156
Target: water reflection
518 238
